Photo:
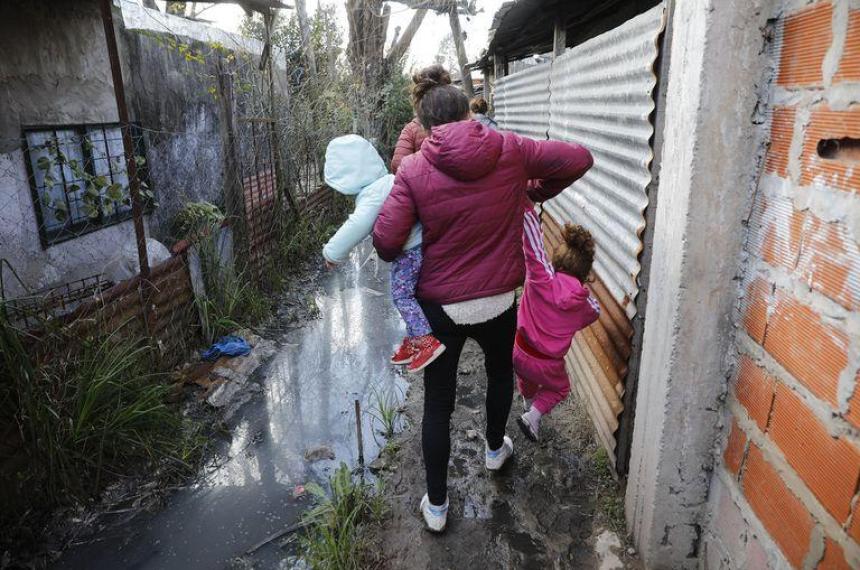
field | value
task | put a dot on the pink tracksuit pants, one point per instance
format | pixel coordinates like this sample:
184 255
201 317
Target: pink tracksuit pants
541 379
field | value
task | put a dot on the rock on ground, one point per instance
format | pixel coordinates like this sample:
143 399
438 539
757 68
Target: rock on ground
542 511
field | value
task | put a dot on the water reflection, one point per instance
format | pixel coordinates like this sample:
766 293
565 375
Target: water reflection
309 388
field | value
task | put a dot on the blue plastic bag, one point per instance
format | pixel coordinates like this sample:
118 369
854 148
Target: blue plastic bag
227 346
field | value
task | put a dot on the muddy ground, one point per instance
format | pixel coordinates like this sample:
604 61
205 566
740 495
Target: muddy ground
554 506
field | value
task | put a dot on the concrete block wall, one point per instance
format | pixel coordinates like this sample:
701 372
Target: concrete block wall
785 491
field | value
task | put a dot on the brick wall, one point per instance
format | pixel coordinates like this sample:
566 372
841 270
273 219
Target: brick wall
785 491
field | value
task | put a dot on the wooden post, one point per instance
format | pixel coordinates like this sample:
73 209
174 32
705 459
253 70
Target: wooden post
281 182
358 434
500 65
234 198
457 34
559 37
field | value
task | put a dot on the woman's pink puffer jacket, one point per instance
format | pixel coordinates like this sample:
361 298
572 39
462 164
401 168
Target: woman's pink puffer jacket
467 186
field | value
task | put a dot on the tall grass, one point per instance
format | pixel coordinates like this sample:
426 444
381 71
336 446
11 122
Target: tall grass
337 536
84 416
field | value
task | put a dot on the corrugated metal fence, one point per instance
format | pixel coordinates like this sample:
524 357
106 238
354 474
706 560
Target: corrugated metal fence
599 94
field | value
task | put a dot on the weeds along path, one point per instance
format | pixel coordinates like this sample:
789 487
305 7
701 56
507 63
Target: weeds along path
305 401
547 509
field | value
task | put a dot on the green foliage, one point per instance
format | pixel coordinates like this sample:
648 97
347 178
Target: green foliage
197 219
386 411
84 417
230 301
337 535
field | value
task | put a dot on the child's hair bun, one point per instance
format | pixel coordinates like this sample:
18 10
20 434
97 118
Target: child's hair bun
578 239
428 78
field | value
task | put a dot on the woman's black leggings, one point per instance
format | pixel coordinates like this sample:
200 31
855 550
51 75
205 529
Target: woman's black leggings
496 338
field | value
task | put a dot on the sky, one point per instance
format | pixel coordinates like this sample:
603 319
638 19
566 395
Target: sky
425 45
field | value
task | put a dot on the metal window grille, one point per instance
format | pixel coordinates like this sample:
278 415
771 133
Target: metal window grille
78 178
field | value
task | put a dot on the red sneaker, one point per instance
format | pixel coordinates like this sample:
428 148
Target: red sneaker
429 348
405 353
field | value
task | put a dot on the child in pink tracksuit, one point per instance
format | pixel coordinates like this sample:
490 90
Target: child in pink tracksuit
554 306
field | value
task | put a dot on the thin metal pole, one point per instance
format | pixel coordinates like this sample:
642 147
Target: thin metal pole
127 143
145 290
358 432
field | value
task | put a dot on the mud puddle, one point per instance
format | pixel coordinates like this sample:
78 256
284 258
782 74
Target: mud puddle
548 508
298 428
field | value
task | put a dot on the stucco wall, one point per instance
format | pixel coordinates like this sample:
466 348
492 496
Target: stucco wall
55 71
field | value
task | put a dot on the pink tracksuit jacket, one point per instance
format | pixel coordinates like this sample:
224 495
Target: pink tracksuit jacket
554 306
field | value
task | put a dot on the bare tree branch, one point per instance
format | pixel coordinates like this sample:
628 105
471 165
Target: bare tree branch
465 73
398 50
466 7
307 44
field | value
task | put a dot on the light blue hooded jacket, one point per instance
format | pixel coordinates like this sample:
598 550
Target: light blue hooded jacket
353 167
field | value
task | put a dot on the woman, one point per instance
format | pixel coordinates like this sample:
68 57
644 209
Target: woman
467 188
413 134
479 109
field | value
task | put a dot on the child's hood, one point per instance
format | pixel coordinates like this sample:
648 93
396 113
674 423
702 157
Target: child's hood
351 164
569 292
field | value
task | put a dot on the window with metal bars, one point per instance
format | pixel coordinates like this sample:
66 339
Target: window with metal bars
79 180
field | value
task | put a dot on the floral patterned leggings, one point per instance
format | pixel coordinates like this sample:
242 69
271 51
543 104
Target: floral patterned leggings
404 279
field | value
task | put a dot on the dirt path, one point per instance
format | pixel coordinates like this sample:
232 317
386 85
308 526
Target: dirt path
549 509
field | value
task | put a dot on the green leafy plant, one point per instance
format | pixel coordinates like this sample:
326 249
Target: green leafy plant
336 534
197 219
386 411
86 415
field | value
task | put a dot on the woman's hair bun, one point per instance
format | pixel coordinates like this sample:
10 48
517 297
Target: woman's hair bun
427 79
578 239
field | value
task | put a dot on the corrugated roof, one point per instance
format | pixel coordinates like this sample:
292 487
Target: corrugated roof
521 28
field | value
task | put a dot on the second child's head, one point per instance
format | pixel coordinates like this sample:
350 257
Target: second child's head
479 106
576 255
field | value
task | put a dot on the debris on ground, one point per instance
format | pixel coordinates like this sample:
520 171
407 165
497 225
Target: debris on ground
319 453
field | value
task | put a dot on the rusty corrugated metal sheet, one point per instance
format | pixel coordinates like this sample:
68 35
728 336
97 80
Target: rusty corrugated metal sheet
602 98
600 94
521 101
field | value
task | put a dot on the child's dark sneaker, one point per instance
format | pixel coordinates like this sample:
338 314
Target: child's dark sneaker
428 349
405 352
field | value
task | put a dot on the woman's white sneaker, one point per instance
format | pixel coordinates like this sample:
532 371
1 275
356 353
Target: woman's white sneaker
435 517
496 459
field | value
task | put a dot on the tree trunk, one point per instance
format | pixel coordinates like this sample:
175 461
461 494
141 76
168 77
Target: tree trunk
398 50
307 44
457 33
150 4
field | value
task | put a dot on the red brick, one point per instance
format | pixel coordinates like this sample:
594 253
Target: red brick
812 351
834 557
807 36
829 261
754 390
781 513
781 133
839 173
829 466
849 65
755 308
734 454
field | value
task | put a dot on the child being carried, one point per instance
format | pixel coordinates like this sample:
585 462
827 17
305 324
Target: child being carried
555 305
354 167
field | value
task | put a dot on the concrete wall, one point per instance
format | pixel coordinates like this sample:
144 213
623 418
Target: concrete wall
708 173
784 493
54 70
